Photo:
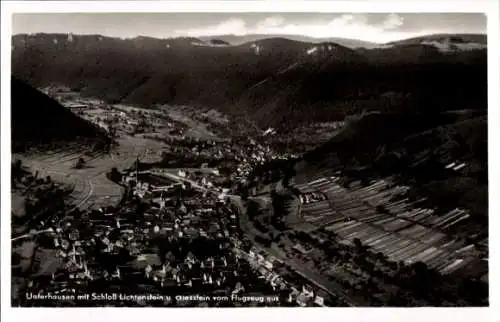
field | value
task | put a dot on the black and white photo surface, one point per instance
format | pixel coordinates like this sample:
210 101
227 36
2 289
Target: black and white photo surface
249 160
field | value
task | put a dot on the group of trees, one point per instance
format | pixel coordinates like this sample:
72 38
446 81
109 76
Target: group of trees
44 201
115 175
280 211
43 198
263 240
80 164
257 217
17 172
271 171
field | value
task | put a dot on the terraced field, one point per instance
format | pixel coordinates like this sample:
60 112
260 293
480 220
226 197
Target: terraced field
403 232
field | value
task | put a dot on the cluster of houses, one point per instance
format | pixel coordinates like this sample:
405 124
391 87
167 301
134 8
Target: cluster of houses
210 274
193 272
310 197
170 216
244 154
110 233
275 273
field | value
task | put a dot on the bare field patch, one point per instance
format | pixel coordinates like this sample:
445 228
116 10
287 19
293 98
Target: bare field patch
17 205
215 116
24 252
47 262
196 129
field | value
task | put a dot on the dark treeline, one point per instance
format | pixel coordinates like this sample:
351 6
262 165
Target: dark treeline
38 119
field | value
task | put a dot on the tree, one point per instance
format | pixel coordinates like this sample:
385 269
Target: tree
112 131
17 170
381 209
357 242
278 204
368 266
380 256
38 193
252 209
115 175
420 268
80 164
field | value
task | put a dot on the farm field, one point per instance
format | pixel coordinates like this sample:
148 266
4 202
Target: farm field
17 204
196 129
403 232
47 262
92 189
24 252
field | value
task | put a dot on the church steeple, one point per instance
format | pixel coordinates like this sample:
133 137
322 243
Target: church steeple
180 207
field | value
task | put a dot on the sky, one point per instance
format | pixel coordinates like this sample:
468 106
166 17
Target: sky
374 27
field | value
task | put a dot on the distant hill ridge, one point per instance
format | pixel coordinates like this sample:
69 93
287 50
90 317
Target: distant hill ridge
271 80
239 40
463 38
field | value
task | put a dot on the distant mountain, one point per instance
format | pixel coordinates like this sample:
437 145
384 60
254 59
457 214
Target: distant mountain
238 40
38 119
454 38
446 42
275 81
343 82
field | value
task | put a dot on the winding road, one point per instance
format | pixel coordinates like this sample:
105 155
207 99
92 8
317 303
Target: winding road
31 234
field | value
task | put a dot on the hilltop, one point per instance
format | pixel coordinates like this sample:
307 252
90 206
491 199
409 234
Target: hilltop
452 38
350 43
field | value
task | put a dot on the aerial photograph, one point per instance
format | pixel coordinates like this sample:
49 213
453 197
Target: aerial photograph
249 159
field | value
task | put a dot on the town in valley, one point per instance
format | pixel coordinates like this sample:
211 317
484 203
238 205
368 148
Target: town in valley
187 172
